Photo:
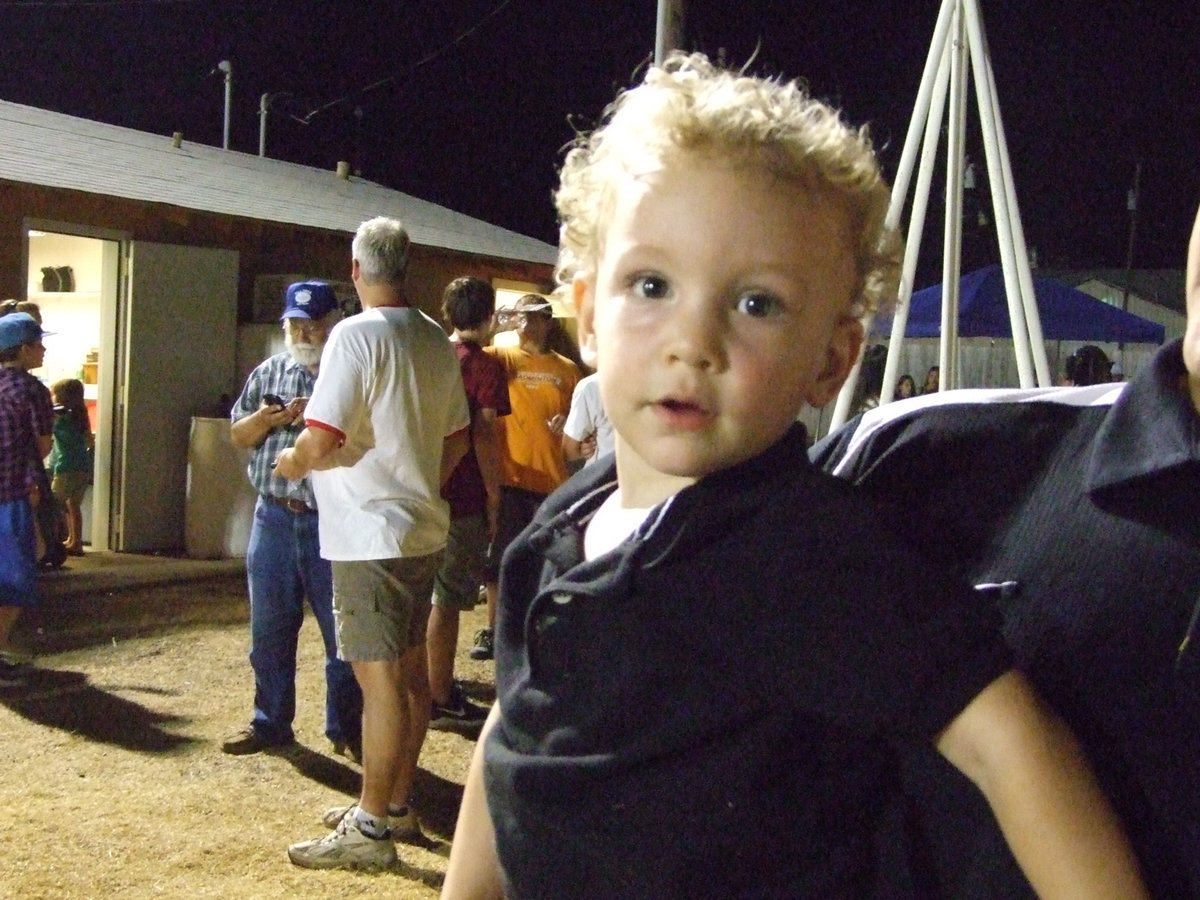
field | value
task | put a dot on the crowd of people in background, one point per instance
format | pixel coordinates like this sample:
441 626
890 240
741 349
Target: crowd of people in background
1010 711
1085 366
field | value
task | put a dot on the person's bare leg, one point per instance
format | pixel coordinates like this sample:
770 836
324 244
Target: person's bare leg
385 723
74 527
416 687
441 644
8 618
492 589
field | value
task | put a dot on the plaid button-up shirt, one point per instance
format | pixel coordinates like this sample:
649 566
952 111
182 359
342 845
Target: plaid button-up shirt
26 413
283 376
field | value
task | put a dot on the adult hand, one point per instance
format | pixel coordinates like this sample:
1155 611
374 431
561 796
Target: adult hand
492 509
295 408
274 416
287 466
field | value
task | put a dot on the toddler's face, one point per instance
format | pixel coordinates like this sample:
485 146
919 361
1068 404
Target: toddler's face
720 306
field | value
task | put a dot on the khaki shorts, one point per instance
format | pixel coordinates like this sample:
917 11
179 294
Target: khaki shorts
461 573
381 606
70 486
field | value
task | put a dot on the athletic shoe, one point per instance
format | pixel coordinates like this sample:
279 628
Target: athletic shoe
11 676
15 656
348 750
457 712
401 828
346 847
483 644
248 741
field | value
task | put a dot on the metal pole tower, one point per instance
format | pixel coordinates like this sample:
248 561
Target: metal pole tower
958 49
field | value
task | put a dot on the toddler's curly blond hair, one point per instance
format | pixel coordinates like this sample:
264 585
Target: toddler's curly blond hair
689 105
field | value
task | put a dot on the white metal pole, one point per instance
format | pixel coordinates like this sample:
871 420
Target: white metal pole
931 77
916 229
1013 256
952 247
1032 318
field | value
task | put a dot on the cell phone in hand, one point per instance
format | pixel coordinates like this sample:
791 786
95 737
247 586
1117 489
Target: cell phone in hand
273 400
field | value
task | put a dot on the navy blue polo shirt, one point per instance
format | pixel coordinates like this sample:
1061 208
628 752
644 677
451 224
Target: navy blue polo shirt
709 710
1080 505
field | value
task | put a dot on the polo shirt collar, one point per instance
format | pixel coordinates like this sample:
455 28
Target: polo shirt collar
1151 429
692 516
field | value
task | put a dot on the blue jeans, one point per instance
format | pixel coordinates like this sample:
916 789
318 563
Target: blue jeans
283 565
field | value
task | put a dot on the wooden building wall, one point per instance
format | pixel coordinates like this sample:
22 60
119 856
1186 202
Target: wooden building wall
264 248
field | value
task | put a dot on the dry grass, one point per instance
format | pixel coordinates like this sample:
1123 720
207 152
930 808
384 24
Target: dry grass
115 784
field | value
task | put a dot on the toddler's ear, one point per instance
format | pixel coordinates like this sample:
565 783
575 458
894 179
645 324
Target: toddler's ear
840 355
583 296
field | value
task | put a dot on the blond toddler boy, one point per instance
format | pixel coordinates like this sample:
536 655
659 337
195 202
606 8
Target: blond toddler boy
707 650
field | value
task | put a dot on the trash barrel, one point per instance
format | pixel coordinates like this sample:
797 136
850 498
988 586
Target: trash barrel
219 505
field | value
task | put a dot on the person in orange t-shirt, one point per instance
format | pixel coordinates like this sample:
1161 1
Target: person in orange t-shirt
540 384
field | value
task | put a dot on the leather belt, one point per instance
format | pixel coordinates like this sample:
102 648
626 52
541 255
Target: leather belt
290 504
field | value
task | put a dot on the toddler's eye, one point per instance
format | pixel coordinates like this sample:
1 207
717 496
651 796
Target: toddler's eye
759 305
651 287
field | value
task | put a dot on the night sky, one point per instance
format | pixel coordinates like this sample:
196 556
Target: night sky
468 103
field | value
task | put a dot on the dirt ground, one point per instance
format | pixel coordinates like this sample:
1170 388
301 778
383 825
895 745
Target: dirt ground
114 782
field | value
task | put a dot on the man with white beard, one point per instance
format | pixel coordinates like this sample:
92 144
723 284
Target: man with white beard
283 561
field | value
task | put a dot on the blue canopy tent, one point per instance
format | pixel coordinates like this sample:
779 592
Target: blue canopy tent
1066 314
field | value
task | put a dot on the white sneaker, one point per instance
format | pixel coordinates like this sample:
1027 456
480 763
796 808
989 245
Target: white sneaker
346 847
402 828
15 656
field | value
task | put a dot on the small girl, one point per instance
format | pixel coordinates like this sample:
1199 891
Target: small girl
70 461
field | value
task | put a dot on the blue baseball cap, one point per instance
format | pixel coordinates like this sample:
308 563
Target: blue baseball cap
309 300
19 328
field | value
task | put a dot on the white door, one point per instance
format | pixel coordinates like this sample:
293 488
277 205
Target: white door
178 333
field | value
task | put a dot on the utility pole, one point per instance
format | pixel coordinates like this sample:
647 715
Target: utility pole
227 68
668 34
264 103
1131 203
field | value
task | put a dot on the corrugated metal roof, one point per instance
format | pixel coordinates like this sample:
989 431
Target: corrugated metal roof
48 148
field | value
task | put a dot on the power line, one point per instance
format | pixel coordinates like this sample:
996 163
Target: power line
425 60
32 4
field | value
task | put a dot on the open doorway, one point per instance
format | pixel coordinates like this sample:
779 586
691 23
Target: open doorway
74 280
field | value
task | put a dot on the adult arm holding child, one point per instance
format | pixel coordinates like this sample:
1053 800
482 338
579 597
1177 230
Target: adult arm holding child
1030 768
473 872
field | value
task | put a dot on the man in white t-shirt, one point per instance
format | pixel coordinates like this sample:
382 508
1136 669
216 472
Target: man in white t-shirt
386 424
588 434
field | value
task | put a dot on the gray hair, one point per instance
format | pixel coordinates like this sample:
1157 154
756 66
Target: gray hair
381 248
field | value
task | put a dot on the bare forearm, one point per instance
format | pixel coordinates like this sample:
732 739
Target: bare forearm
313 449
487 451
572 449
473 872
249 431
1193 263
454 448
1054 816
1061 828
